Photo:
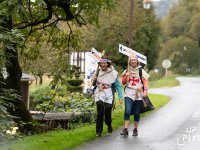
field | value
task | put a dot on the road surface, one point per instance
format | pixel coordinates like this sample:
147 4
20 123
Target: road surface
176 126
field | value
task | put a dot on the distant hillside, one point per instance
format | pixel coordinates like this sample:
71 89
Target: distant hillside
162 7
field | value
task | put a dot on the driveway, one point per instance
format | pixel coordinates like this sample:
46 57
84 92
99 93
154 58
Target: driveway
176 126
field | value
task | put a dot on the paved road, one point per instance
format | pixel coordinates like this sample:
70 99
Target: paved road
176 126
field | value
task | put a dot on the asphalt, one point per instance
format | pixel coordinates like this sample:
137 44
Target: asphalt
176 126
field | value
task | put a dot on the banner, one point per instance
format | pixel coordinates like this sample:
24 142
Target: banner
96 55
91 62
129 52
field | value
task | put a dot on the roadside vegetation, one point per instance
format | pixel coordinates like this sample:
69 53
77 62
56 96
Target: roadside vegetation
83 132
164 82
68 139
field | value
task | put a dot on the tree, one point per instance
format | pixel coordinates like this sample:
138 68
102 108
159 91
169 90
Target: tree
181 37
113 29
39 17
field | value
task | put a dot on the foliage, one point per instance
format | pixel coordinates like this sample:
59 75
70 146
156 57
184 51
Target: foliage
60 99
75 88
181 37
73 71
36 21
76 137
6 120
113 29
36 96
74 82
74 85
51 33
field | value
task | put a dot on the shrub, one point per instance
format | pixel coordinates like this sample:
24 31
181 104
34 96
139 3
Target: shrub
38 96
6 120
74 82
75 88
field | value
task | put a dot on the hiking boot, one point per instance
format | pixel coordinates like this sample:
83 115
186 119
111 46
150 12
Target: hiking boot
124 132
98 134
135 132
110 129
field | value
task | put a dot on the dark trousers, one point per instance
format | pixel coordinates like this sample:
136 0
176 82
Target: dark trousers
104 110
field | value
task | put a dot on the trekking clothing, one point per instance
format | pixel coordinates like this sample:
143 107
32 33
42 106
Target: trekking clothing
104 91
134 83
129 103
135 132
135 88
124 132
103 109
107 82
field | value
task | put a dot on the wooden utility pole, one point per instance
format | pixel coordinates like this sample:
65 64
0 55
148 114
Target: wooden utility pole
130 38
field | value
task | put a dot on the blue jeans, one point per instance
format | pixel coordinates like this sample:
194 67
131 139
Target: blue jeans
129 103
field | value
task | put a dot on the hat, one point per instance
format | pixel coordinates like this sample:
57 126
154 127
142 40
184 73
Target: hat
133 56
105 60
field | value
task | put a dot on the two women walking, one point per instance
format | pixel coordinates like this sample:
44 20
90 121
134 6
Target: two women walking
107 82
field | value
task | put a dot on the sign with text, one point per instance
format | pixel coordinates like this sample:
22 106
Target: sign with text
129 52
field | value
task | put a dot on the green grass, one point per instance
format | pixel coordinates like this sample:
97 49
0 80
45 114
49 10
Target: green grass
166 82
66 140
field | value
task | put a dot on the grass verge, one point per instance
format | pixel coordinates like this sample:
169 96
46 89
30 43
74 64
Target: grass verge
66 140
165 82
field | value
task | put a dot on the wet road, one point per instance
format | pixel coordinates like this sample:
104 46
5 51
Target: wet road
176 126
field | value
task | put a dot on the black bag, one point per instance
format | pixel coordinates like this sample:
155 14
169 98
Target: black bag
146 105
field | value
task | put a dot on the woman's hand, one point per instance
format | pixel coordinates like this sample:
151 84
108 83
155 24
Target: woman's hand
145 93
120 101
139 90
127 77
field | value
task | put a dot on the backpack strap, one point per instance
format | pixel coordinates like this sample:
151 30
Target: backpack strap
113 93
140 74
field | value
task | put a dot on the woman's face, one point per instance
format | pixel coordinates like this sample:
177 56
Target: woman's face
103 65
133 63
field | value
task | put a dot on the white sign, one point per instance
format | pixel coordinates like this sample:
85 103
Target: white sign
90 68
166 63
96 55
129 52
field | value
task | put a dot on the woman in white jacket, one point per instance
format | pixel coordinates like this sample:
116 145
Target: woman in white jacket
106 82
